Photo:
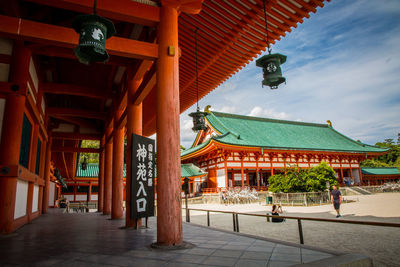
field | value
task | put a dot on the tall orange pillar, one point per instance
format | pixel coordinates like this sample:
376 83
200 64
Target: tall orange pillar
45 204
108 157
11 134
117 169
133 126
100 192
169 210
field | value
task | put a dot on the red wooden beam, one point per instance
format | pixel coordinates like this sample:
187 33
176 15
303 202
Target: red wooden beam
121 10
67 37
77 121
75 136
75 149
77 113
74 89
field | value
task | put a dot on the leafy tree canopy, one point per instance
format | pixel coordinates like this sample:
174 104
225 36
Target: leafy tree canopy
298 180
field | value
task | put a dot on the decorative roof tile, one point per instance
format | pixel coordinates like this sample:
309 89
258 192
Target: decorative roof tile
381 171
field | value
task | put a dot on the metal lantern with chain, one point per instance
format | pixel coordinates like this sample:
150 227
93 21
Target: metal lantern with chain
93 30
199 122
271 63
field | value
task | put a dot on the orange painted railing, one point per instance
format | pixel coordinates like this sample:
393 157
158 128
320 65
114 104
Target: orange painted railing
214 190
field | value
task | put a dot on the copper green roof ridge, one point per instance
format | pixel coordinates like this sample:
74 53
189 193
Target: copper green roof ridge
246 117
380 170
223 125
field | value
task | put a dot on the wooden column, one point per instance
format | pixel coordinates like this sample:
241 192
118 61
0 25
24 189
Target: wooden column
90 191
45 204
100 194
257 157
134 124
117 169
11 134
169 210
226 173
108 157
241 170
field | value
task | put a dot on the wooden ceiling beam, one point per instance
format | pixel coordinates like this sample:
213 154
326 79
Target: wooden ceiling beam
77 121
74 89
121 10
75 136
70 112
75 149
66 37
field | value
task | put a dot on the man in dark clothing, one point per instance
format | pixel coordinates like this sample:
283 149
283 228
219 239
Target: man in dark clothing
336 199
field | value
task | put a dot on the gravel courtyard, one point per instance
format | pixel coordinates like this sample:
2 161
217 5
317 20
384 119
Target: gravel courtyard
380 243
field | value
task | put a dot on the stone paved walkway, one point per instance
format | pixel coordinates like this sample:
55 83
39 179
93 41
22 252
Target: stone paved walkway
93 240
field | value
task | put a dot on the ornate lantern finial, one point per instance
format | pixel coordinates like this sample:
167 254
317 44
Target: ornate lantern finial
199 122
93 31
271 63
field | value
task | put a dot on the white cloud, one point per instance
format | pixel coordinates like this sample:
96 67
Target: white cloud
258 111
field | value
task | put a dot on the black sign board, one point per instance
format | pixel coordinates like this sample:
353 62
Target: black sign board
143 168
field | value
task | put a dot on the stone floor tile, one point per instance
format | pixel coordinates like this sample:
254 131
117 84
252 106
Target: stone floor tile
250 263
314 257
201 251
188 258
285 257
232 247
220 261
255 255
208 245
260 249
227 253
280 263
181 264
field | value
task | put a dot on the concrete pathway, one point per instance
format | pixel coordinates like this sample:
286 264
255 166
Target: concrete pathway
58 239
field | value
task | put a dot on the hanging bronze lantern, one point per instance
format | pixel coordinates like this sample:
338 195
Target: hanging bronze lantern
199 122
272 72
93 31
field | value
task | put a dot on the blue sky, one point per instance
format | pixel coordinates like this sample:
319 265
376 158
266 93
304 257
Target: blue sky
343 65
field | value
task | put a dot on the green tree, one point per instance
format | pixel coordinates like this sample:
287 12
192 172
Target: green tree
90 157
298 180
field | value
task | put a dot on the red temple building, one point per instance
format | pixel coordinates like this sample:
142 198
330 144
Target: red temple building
49 101
239 150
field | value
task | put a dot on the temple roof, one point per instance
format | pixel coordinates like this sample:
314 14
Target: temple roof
268 133
92 170
381 171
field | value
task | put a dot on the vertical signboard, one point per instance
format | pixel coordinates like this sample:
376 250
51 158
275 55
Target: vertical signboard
142 191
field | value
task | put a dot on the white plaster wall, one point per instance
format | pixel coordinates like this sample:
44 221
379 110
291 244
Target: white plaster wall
278 165
221 178
33 73
94 197
356 175
2 104
305 165
35 200
249 164
65 128
81 197
233 164
69 197
355 165
264 165
52 189
221 165
345 165
21 199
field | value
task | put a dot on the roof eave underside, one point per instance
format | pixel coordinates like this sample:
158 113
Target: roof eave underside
230 35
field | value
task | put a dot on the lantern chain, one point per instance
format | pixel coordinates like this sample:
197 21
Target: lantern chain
95 7
266 26
197 71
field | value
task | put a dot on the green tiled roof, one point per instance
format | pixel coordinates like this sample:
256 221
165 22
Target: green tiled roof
189 170
92 170
279 134
380 171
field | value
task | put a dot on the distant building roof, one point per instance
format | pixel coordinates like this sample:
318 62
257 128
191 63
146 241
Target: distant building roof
267 133
381 171
92 170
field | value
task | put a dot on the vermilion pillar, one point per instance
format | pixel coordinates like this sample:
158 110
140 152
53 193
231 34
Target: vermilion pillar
11 134
100 193
169 213
118 169
45 204
133 126
108 157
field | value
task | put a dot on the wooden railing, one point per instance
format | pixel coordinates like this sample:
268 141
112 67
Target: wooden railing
235 220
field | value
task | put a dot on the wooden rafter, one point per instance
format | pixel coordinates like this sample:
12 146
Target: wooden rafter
74 89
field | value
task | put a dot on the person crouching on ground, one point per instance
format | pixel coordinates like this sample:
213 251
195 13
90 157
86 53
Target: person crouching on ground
276 209
336 199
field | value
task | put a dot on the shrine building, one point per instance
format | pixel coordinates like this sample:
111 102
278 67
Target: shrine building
241 151
144 63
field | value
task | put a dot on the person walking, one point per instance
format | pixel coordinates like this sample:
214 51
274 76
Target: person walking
336 199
